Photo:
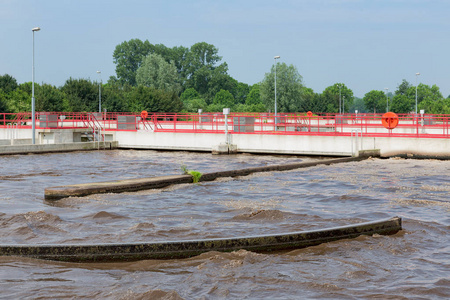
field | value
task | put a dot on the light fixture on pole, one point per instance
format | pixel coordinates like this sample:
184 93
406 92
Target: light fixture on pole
33 117
275 58
417 74
100 92
387 100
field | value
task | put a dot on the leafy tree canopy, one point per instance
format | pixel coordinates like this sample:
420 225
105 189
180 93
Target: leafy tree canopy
375 101
128 57
289 88
337 96
8 83
156 73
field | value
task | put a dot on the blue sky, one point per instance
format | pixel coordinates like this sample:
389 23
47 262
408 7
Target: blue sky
367 45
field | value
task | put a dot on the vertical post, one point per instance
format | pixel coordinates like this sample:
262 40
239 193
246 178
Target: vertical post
417 74
387 100
343 104
33 117
226 111
100 92
275 58
339 98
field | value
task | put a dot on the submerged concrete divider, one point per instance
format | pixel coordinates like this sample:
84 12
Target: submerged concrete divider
118 186
54 148
184 249
130 185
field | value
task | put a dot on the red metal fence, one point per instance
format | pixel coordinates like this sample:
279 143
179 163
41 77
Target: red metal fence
409 125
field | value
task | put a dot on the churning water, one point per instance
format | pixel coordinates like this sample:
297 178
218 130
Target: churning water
414 263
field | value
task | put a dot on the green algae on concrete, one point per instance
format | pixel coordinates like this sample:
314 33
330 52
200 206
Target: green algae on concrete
185 249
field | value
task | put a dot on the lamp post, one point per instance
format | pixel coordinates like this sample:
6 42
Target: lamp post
100 92
387 100
343 104
339 97
275 58
417 74
33 118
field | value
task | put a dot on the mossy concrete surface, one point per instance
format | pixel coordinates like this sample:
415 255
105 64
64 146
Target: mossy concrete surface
185 249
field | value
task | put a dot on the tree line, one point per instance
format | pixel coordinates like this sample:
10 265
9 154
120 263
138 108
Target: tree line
157 78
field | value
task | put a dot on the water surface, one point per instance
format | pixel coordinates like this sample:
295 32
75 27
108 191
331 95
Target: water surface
413 263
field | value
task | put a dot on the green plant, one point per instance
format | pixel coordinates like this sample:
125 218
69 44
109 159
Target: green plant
184 169
195 174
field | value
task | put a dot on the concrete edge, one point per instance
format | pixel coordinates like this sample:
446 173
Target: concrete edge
131 185
185 249
283 167
119 186
52 148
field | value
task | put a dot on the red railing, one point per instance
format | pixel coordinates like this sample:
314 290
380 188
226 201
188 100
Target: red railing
410 125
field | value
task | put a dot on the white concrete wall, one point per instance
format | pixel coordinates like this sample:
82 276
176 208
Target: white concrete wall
289 144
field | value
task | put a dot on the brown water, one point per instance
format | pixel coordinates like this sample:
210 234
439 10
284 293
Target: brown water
413 264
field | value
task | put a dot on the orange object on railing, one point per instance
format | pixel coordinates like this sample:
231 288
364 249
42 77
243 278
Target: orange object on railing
144 114
389 120
309 114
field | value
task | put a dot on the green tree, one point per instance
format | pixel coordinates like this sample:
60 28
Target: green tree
3 102
155 72
152 100
224 99
254 96
220 80
18 100
331 95
358 105
404 100
201 55
289 88
50 98
189 94
192 101
240 91
441 106
375 101
402 104
8 83
114 97
403 88
128 57
81 95
431 100
193 105
203 74
311 101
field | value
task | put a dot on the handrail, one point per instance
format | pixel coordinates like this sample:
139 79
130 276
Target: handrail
369 124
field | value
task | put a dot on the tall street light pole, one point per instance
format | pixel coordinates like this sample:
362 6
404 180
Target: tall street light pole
33 118
100 92
417 74
343 104
340 98
275 58
387 100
